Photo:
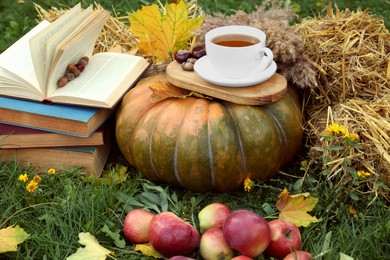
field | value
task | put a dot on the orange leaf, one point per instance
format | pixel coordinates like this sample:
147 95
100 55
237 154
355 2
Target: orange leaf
294 208
162 34
163 90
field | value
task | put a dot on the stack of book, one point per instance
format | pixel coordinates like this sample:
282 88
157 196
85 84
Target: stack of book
62 126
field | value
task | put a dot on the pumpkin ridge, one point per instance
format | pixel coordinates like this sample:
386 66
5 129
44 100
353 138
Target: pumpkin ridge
209 151
239 139
175 154
160 107
152 165
279 128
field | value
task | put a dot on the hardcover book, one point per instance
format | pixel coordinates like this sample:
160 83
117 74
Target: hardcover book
22 137
90 159
32 66
58 118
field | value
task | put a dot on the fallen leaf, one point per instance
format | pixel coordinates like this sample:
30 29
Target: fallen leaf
11 237
148 250
160 33
92 250
294 208
163 90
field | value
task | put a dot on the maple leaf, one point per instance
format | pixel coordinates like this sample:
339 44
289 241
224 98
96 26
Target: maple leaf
92 250
147 250
294 208
10 237
162 34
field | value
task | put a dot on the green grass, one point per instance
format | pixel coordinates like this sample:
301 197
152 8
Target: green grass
69 203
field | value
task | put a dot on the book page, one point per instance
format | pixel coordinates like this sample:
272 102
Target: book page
79 45
38 43
17 60
61 35
105 79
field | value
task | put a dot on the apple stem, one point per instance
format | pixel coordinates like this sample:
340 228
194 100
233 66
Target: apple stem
288 233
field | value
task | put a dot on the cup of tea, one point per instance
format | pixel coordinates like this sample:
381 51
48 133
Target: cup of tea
237 51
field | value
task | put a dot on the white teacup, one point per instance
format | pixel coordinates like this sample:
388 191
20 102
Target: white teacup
237 51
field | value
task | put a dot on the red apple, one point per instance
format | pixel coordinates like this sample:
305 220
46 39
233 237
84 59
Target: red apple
212 216
298 255
213 245
242 257
247 232
285 238
171 235
181 257
136 225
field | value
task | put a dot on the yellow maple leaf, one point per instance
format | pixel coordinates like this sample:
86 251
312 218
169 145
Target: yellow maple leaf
294 208
11 237
148 250
92 250
161 34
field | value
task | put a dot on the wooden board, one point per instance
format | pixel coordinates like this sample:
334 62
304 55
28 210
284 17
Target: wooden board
263 93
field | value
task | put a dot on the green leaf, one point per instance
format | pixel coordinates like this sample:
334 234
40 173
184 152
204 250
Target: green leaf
119 242
298 185
268 208
345 257
335 148
327 240
129 200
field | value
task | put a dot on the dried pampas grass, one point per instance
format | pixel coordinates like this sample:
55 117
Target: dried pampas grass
351 52
285 43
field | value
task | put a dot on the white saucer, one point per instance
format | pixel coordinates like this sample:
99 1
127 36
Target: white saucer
206 71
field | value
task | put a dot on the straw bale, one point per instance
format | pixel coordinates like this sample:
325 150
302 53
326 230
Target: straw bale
351 52
370 120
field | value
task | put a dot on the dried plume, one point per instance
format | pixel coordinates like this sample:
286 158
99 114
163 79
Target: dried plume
285 43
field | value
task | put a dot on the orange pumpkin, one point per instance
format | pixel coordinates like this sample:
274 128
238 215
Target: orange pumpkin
202 144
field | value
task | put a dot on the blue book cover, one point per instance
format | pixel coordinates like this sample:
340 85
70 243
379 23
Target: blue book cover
59 118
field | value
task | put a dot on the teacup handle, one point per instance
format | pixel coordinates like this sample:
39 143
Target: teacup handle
270 57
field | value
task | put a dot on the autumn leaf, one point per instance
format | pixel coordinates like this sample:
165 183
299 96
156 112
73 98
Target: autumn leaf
164 90
294 208
92 250
161 34
147 250
11 237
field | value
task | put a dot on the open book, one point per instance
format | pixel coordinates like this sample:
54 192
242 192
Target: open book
31 67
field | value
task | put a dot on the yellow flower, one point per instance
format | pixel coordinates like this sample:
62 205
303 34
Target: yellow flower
336 129
23 177
363 174
352 136
304 163
37 179
51 171
352 210
248 184
32 186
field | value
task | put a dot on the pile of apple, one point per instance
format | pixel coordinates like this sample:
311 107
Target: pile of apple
225 234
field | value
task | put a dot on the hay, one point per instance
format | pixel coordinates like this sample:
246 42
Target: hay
351 51
370 120
115 35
